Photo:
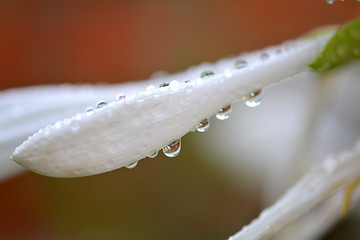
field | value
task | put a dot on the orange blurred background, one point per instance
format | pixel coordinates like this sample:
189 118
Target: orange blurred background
53 42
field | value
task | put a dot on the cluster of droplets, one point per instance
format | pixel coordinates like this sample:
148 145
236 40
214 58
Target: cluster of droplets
172 149
102 104
90 110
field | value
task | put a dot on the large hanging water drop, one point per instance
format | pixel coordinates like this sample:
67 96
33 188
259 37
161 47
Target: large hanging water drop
253 99
101 104
153 154
203 126
224 113
132 165
207 74
172 149
240 63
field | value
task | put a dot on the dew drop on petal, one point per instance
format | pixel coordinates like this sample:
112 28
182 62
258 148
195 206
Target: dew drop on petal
207 74
172 149
224 113
203 126
101 104
289 46
164 85
240 63
153 154
120 97
253 99
330 1
89 111
264 56
131 166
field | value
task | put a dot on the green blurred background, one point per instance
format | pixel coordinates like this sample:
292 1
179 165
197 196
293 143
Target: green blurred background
52 42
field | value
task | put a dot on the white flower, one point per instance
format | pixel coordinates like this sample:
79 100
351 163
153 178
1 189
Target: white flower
146 120
147 117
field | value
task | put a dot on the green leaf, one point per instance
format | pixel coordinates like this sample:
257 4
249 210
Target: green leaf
343 47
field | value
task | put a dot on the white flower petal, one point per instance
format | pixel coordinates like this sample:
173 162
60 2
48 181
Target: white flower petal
126 131
23 111
317 185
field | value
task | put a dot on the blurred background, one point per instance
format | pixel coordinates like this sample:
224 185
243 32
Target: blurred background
195 195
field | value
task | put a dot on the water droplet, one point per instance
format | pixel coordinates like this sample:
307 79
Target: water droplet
132 165
101 104
224 113
203 126
253 99
330 1
164 85
206 74
153 154
120 97
172 149
264 56
89 111
289 46
187 81
240 63
16 111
